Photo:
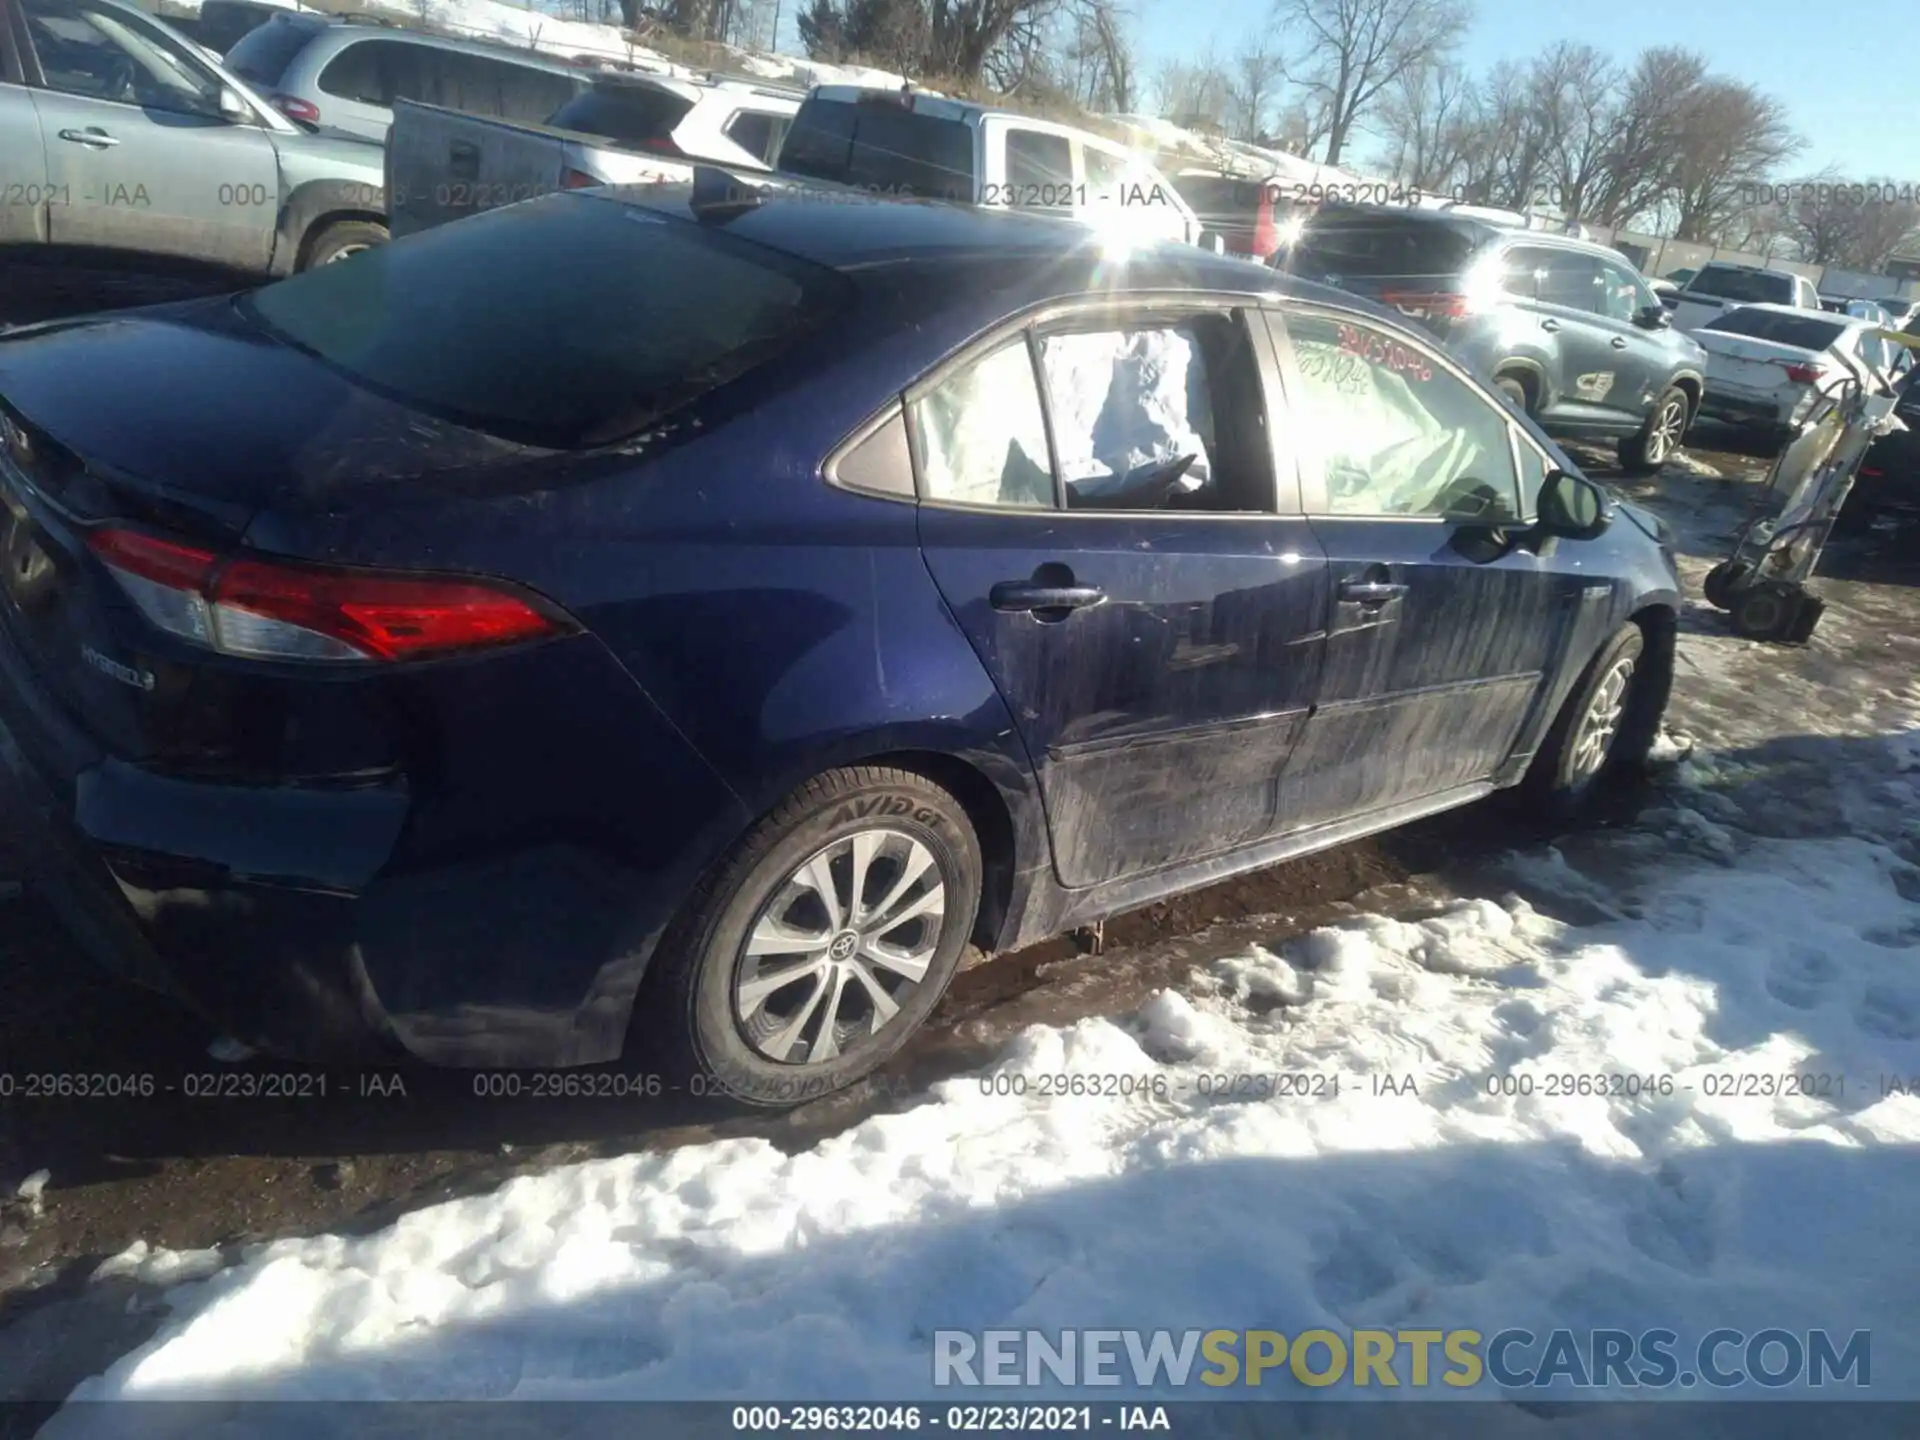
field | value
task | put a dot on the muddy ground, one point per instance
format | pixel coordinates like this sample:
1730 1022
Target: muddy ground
191 1174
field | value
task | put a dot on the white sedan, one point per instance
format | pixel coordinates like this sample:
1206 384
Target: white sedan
1766 364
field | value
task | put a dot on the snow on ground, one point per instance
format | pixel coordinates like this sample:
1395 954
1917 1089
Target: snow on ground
1441 1186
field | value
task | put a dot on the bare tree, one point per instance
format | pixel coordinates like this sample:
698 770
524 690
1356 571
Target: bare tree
1646 138
1100 57
1575 89
1853 224
1356 50
1735 138
1422 119
1259 72
1195 93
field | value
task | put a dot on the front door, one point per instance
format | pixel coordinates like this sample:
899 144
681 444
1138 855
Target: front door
136 147
1098 509
1441 639
1587 379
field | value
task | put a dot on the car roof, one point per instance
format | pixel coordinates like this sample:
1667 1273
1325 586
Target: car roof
342 30
860 235
1472 226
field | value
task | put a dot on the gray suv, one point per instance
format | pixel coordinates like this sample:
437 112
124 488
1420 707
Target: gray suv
346 74
118 133
1566 329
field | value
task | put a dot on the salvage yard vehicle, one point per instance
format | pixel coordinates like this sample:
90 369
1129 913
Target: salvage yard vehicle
1566 329
902 581
1721 283
623 129
346 74
904 142
1767 364
116 133
1888 481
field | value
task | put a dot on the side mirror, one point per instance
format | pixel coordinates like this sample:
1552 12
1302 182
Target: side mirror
1573 507
1654 317
233 108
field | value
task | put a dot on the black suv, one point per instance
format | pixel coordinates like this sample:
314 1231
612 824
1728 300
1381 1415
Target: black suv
1566 329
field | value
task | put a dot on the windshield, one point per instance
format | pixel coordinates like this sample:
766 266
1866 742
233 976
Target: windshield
1803 331
1762 286
490 323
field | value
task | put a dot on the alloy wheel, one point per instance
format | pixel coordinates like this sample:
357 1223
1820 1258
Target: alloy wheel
845 938
1593 742
1664 438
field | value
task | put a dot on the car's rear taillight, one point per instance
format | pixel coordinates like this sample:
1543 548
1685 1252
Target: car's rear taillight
1805 374
1266 237
571 179
295 108
281 610
1428 304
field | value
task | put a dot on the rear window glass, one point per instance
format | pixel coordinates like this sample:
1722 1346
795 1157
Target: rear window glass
881 146
1218 195
1764 287
629 115
263 55
486 323
1808 332
1381 247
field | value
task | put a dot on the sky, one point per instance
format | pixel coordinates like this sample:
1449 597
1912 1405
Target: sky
1833 77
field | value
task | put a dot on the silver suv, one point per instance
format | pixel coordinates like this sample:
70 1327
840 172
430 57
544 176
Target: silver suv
118 133
346 74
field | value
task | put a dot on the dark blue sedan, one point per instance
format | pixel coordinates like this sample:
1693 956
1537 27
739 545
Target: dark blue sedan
682 628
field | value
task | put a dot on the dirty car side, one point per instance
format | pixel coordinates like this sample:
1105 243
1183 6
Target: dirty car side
472 861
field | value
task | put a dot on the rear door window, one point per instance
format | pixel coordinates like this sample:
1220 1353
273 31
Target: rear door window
758 133
1039 170
447 322
376 72
1571 280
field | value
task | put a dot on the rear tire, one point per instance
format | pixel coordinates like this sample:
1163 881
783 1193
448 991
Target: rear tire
1515 391
853 899
342 239
1603 734
1647 450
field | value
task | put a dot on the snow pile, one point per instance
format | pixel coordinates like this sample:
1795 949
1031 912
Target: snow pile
1382 1123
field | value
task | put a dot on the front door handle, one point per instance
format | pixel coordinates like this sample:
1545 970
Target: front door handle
1619 342
1371 592
1549 324
93 137
1031 596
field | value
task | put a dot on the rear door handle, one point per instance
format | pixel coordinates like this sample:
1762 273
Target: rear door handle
92 136
1619 342
1371 592
1549 324
1018 595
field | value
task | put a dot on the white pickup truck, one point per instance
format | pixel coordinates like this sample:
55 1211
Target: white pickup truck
1720 285
442 165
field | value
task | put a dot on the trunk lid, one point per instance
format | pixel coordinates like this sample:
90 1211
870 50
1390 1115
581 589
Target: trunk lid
108 419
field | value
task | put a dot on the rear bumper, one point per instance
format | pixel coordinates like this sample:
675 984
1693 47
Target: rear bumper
1719 401
376 925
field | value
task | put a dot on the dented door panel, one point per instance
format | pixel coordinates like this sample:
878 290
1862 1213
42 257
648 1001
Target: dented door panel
1428 691
1161 720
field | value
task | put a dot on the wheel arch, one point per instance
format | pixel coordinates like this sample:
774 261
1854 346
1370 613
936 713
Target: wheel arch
314 206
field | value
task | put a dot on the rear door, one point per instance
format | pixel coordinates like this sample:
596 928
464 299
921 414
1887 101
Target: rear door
137 147
1157 634
25 197
1440 643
